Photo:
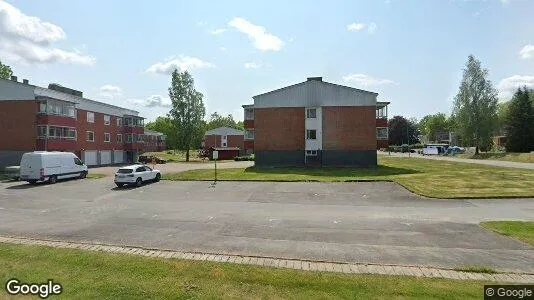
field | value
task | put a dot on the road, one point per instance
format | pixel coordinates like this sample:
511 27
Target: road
180 167
345 222
496 163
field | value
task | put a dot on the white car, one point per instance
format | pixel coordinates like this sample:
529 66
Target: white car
136 175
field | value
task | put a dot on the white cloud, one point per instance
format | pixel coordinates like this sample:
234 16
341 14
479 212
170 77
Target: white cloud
222 48
527 52
152 101
509 85
252 65
28 39
366 80
108 88
218 31
355 26
371 27
181 63
261 39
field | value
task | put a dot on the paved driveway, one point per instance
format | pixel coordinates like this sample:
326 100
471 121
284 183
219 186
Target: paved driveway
345 222
180 167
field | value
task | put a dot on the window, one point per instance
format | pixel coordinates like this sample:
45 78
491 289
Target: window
224 144
41 131
90 117
382 113
90 136
127 121
52 131
107 119
107 137
311 134
71 112
311 113
249 134
42 107
381 133
128 138
140 138
140 169
125 171
311 152
249 114
119 138
119 121
78 162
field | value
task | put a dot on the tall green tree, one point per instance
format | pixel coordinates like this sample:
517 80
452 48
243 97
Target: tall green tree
216 120
187 110
520 123
166 126
402 130
475 107
5 71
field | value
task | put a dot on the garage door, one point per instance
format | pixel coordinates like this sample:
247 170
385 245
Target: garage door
89 157
118 156
105 157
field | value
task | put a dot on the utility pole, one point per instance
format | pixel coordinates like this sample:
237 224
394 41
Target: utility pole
408 135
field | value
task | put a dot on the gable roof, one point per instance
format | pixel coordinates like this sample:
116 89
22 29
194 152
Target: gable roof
312 82
224 131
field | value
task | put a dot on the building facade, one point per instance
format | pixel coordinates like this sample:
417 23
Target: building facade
154 141
61 119
223 137
315 123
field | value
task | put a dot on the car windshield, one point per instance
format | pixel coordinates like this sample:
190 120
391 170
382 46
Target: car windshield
124 171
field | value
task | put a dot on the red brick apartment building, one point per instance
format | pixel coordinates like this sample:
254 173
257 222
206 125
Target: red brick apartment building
154 141
56 118
315 123
227 141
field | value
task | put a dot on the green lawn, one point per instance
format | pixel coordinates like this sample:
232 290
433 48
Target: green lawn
431 178
3 176
515 157
176 155
94 275
520 230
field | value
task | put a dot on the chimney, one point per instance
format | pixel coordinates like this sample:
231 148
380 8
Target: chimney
14 78
25 81
315 78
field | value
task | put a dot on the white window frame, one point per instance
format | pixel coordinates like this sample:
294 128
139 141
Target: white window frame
119 122
224 144
129 138
308 134
249 113
90 117
308 110
382 138
87 136
108 139
107 119
119 138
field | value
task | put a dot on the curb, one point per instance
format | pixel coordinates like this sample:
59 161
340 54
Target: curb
306 265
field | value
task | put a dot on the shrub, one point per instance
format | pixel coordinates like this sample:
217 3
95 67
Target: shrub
244 158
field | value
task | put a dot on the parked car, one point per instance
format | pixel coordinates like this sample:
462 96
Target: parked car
12 172
136 175
50 166
147 159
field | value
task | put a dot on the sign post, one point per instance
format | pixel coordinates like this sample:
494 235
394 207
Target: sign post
215 157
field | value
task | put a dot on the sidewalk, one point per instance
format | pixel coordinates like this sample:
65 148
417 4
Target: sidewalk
418 271
496 163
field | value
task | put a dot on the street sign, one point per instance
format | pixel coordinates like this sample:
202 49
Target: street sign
215 154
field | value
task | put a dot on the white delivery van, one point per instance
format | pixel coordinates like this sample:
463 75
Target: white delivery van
42 166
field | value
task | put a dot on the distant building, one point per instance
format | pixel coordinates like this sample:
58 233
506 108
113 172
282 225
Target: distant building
154 141
223 137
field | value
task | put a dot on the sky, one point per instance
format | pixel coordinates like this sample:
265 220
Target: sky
412 53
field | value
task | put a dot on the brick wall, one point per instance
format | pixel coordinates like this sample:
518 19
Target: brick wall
18 125
231 141
349 128
279 129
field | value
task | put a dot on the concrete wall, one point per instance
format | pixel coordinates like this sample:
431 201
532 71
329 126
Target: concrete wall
267 158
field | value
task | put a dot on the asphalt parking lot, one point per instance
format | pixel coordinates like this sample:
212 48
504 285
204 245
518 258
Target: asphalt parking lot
345 222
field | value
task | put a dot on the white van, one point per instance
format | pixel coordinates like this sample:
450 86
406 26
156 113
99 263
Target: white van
42 165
